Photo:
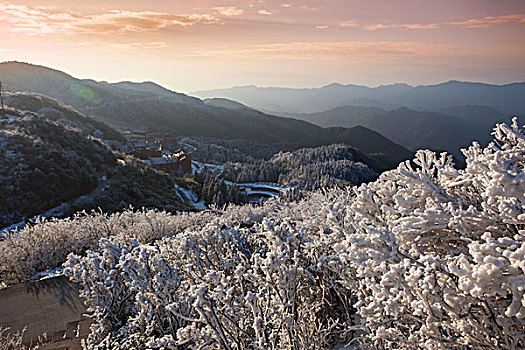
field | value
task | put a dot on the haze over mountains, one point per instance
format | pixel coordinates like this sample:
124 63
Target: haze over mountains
448 129
127 105
506 98
446 116
382 123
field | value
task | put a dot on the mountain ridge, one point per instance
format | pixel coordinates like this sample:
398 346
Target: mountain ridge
129 105
505 97
449 129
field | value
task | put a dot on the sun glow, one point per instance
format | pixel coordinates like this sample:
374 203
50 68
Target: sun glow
205 44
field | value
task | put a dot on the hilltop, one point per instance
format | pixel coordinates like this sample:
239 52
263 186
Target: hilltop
57 111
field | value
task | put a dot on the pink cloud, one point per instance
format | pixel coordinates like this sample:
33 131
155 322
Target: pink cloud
373 27
470 23
266 12
120 46
229 11
349 24
44 20
420 26
490 21
340 49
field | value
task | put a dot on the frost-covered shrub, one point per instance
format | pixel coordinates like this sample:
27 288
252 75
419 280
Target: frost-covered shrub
46 244
11 341
223 285
437 255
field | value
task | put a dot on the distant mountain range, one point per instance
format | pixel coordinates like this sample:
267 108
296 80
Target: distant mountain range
379 127
128 105
448 129
508 98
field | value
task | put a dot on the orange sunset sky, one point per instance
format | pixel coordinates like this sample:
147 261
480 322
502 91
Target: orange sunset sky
201 44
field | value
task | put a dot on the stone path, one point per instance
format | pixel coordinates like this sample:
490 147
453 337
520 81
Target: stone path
52 307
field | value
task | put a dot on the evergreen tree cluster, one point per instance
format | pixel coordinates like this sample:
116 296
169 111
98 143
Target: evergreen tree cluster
306 168
216 191
219 151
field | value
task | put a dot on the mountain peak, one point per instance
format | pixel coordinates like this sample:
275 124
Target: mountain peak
30 66
397 86
333 85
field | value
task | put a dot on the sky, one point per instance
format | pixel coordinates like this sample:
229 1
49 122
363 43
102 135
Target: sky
201 44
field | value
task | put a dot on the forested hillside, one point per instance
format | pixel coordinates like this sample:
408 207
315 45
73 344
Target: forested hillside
58 111
425 257
301 170
46 163
306 169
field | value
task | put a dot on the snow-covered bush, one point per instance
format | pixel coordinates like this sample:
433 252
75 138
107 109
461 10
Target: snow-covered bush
437 255
11 341
250 278
46 244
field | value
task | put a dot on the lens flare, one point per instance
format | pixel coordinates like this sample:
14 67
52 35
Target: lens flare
85 93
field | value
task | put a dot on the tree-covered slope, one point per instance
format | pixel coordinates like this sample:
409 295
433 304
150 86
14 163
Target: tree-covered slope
55 110
305 169
44 164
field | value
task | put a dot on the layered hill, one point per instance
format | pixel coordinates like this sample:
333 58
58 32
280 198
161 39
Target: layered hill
449 129
506 98
47 165
225 103
57 111
44 164
128 105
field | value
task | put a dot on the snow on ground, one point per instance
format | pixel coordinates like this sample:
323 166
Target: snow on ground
216 169
251 192
9 117
269 185
189 148
261 187
191 197
12 229
55 272
57 211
